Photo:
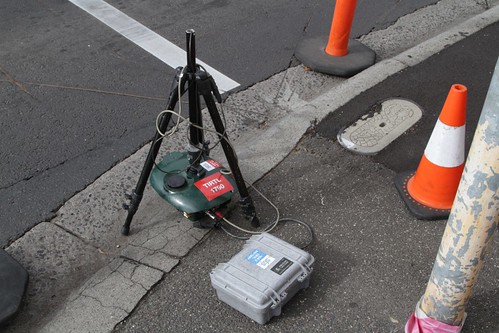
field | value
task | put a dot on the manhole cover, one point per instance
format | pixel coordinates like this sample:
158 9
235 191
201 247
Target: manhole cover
384 123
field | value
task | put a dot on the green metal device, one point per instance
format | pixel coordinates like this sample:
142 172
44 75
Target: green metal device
191 181
192 191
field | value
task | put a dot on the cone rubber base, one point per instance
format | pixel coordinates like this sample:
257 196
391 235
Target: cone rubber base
311 53
419 210
13 283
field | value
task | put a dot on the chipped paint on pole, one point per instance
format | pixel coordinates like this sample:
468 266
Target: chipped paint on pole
473 220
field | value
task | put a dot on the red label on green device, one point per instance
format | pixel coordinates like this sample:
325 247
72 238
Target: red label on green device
214 186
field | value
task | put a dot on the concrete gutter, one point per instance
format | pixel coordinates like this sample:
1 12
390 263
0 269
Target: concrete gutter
85 276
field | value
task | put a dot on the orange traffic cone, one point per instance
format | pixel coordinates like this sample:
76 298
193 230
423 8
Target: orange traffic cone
337 54
429 192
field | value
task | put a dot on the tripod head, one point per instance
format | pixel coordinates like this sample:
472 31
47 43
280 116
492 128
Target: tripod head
199 82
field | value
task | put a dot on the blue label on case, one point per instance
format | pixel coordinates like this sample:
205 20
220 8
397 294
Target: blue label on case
255 256
259 258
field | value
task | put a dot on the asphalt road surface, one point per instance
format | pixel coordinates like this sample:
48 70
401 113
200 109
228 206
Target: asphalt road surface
77 97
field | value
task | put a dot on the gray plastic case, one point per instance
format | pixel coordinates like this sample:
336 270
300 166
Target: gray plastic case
261 278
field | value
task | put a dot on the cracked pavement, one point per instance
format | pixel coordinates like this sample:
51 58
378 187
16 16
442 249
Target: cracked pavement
111 293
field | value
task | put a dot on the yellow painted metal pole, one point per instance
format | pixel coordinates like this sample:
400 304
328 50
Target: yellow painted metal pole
473 220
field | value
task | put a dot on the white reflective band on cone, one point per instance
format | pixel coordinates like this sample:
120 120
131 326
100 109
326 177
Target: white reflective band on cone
446 145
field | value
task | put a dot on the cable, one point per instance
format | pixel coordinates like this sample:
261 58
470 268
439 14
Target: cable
306 225
268 228
174 129
221 136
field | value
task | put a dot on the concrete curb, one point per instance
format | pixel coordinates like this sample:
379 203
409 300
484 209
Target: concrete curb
88 225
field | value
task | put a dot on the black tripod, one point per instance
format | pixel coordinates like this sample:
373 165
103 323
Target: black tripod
199 83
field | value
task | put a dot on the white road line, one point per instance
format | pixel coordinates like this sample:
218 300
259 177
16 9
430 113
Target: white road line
147 39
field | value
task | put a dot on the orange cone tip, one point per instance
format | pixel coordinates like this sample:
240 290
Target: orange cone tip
454 110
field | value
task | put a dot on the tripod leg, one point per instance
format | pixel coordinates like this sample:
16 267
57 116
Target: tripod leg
136 196
246 202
